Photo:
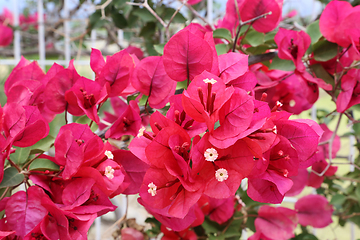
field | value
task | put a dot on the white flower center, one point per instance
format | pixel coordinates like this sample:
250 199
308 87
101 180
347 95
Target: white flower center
141 132
109 172
292 103
221 174
211 154
212 81
152 189
109 154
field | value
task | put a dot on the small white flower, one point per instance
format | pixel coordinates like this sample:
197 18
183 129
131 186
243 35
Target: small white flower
109 172
292 103
152 189
141 131
109 154
279 104
221 174
211 154
275 129
212 81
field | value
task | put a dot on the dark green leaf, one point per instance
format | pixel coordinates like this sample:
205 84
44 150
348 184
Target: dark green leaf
324 50
222 33
281 64
269 37
20 155
119 20
148 30
314 31
11 178
119 3
159 48
169 12
144 15
320 72
42 164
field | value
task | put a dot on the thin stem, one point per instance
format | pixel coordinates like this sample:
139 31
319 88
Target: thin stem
146 5
172 18
331 140
102 8
4 193
198 15
14 165
31 160
241 24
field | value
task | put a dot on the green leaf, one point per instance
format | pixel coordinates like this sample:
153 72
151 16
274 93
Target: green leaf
337 200
160 48
222 33
119 3
269 37
43 145
314 31
281 64
324 50
222 48
20 155
306 236
144 15
42 164
357 191
119 20
254 38
169 12
85 120
320 72
11 178
148 30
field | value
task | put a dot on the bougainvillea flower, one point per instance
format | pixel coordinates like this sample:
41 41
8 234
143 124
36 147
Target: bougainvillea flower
276 223
177 114
186 234
24 70
128 123
161 190
135 169
304 137
250 9
86 95
129 233
222 169
323 150
270 187
97 61
317 214
119 106
150 78
132 50
299 181
334 24
315 180
292 46
176 224
204 97
56 88
350 91
6 35
116 71
232 66
195 55
235 116
22 126
69 147
24 210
